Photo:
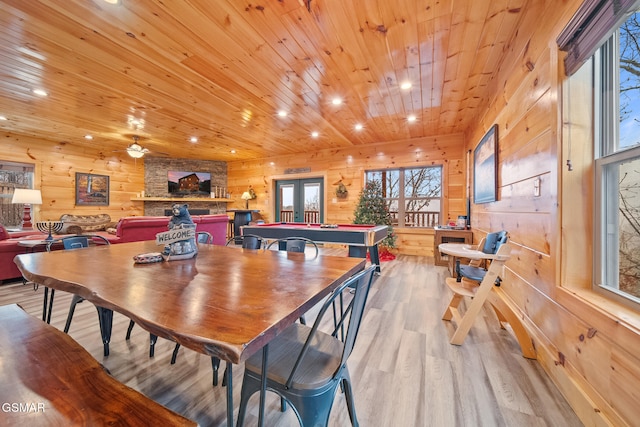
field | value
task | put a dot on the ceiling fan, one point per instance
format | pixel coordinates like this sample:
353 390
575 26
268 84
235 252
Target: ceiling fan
136 150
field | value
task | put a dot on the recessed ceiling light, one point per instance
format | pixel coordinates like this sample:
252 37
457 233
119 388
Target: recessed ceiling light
336 101
358 126
193 139
282 113
89 137
314 134
411 118
233 151
40 92
3 118
112 1
272 163
405 85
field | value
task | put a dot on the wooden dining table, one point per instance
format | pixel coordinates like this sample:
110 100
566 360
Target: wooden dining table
225 302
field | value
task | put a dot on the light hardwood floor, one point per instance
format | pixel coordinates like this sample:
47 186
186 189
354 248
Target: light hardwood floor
404 370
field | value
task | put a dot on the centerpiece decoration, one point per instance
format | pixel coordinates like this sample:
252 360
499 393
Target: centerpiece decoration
373 209
179 242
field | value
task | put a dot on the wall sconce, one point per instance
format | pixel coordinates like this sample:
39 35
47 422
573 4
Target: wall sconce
27 197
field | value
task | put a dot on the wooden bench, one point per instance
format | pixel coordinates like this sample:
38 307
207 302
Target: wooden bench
485 291
48 379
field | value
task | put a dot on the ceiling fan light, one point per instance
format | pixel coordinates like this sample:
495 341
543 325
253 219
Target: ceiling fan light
135 151
135 154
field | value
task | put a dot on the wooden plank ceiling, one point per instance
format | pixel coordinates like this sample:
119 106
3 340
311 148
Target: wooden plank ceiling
221 70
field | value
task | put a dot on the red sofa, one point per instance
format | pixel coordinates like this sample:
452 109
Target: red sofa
136 228
128 229
9 249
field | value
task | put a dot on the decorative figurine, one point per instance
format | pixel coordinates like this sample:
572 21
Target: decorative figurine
180 240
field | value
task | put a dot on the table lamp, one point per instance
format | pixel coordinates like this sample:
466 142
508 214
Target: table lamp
28 197
246 196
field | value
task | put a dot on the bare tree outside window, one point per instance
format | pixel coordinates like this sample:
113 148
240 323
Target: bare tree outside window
413 195
629 171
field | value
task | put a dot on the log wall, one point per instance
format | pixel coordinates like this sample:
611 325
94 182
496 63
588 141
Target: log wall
349 166
56 164
587 344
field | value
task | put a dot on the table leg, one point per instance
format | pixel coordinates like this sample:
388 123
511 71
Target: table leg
44 304
105 318
53 291
228 373
263 384
375 257
47 305
361 252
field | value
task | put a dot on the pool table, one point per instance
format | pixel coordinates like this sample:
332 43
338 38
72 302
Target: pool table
359 237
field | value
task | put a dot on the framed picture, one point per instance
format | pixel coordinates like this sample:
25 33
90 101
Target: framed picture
485 168
92 189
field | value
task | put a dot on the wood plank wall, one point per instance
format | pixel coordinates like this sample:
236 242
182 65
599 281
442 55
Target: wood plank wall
349 165
588 346
56 166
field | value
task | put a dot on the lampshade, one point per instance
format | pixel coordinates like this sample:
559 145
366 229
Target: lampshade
27 196
246 196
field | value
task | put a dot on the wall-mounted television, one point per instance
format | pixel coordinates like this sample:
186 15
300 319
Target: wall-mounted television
189 183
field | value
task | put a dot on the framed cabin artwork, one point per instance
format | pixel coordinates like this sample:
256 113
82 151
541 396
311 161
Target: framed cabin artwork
485 168
92 190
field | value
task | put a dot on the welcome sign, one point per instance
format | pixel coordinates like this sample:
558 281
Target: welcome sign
175 235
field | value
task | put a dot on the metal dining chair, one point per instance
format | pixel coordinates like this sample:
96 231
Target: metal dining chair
298 245
70 242
204 237
74 243
247 241
294 244
305 365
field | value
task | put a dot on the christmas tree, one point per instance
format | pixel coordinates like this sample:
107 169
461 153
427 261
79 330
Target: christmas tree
373 209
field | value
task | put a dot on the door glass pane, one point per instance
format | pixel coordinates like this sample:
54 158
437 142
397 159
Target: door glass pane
311 202
286 202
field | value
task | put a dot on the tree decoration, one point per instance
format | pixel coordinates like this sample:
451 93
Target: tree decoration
372 209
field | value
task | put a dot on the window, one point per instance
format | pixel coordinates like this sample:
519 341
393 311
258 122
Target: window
413 195
13 175
616 74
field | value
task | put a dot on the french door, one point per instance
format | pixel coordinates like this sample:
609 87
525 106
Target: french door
300 200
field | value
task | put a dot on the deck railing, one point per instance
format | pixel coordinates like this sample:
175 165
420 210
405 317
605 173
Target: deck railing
310 217
417 219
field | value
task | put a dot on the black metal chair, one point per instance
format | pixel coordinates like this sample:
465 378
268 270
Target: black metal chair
247 241
294 244
70 242
204 237
305 366
489 245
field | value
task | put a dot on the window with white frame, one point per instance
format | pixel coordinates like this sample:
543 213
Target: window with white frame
13 175
413 195
616 77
